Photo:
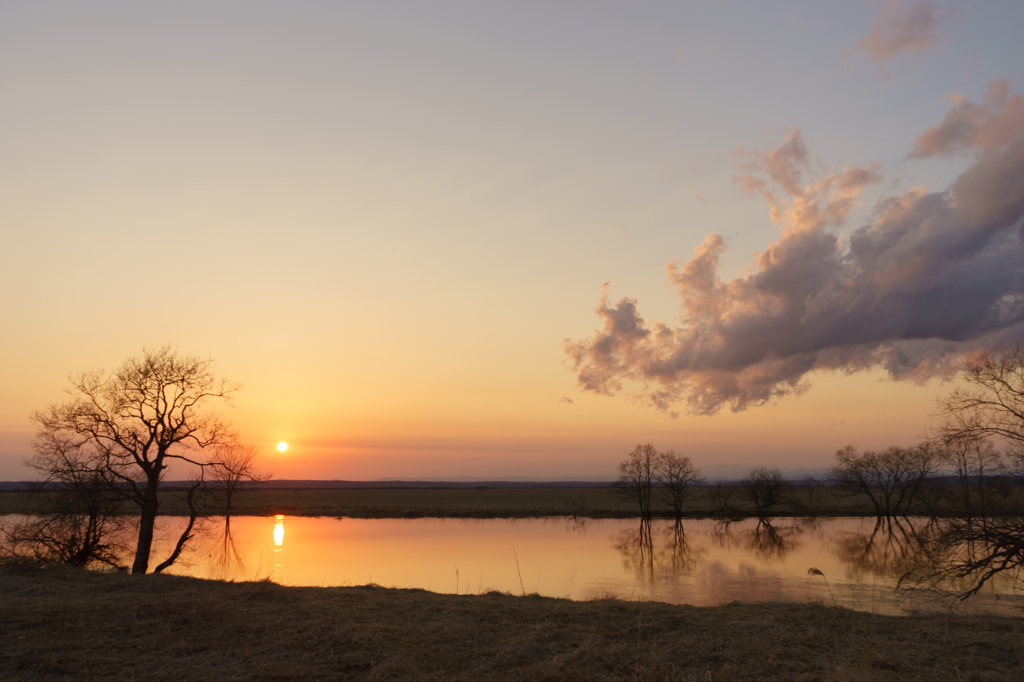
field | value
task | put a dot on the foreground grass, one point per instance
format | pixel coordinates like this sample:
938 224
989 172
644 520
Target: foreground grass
475 503
63 624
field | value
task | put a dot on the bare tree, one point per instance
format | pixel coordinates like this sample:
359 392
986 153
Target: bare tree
676 473
76 516
987 540
975 461
637 474
134 422
765 488
890 478
234 462
991 405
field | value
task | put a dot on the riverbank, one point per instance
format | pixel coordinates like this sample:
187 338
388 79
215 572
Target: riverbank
483 503
66 624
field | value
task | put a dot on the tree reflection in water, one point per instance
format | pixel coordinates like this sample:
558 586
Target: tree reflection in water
769 543
766 540
225 559
919 556
679 557
577 524
893 548
664 553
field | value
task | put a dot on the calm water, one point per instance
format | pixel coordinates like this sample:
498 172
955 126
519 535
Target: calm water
705 562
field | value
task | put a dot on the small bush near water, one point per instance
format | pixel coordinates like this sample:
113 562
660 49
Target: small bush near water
68 624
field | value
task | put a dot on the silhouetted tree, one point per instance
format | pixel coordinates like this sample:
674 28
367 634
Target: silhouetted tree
975 461
890 478
676 474
991 405
233 463
135 421
988 539
637 475
765 488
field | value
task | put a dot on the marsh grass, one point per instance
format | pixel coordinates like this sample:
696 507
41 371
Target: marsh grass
66 624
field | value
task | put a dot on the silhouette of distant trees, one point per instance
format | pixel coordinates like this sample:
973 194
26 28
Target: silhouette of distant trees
890 478
637 474
646 470
676 474
765 488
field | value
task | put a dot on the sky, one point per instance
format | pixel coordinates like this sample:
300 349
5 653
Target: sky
492 239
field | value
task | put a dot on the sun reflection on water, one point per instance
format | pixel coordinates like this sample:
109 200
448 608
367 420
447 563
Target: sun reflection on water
278 530
278 544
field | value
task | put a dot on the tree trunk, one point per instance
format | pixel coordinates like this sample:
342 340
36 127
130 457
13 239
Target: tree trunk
147 520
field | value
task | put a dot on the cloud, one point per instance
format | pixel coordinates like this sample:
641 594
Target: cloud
565 399
701 198
999 119
827 200
931 276
901 26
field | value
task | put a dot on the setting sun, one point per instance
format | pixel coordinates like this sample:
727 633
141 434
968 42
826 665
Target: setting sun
282 446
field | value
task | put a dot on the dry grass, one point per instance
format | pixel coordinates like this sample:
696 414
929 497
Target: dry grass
61 624
475 503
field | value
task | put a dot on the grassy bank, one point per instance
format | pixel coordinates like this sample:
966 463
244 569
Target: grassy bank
479 503
64 624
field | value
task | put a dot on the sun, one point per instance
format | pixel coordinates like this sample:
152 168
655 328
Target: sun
282 446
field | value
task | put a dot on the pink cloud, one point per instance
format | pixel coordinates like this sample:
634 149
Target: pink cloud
970 127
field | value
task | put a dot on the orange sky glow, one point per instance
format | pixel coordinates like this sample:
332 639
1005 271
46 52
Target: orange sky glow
396 227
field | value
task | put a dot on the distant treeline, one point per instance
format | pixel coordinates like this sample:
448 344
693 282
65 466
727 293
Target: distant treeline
26 486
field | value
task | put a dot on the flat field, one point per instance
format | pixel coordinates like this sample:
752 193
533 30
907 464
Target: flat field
479 503
67 624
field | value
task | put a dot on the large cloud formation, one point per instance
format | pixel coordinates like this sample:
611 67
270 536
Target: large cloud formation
931 277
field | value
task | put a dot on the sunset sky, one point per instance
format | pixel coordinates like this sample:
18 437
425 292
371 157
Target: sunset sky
490 239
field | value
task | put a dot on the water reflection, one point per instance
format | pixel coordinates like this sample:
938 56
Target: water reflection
767 540
703 562
278 530
680 557
771 543
893 548
637 549
225 559
650 554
